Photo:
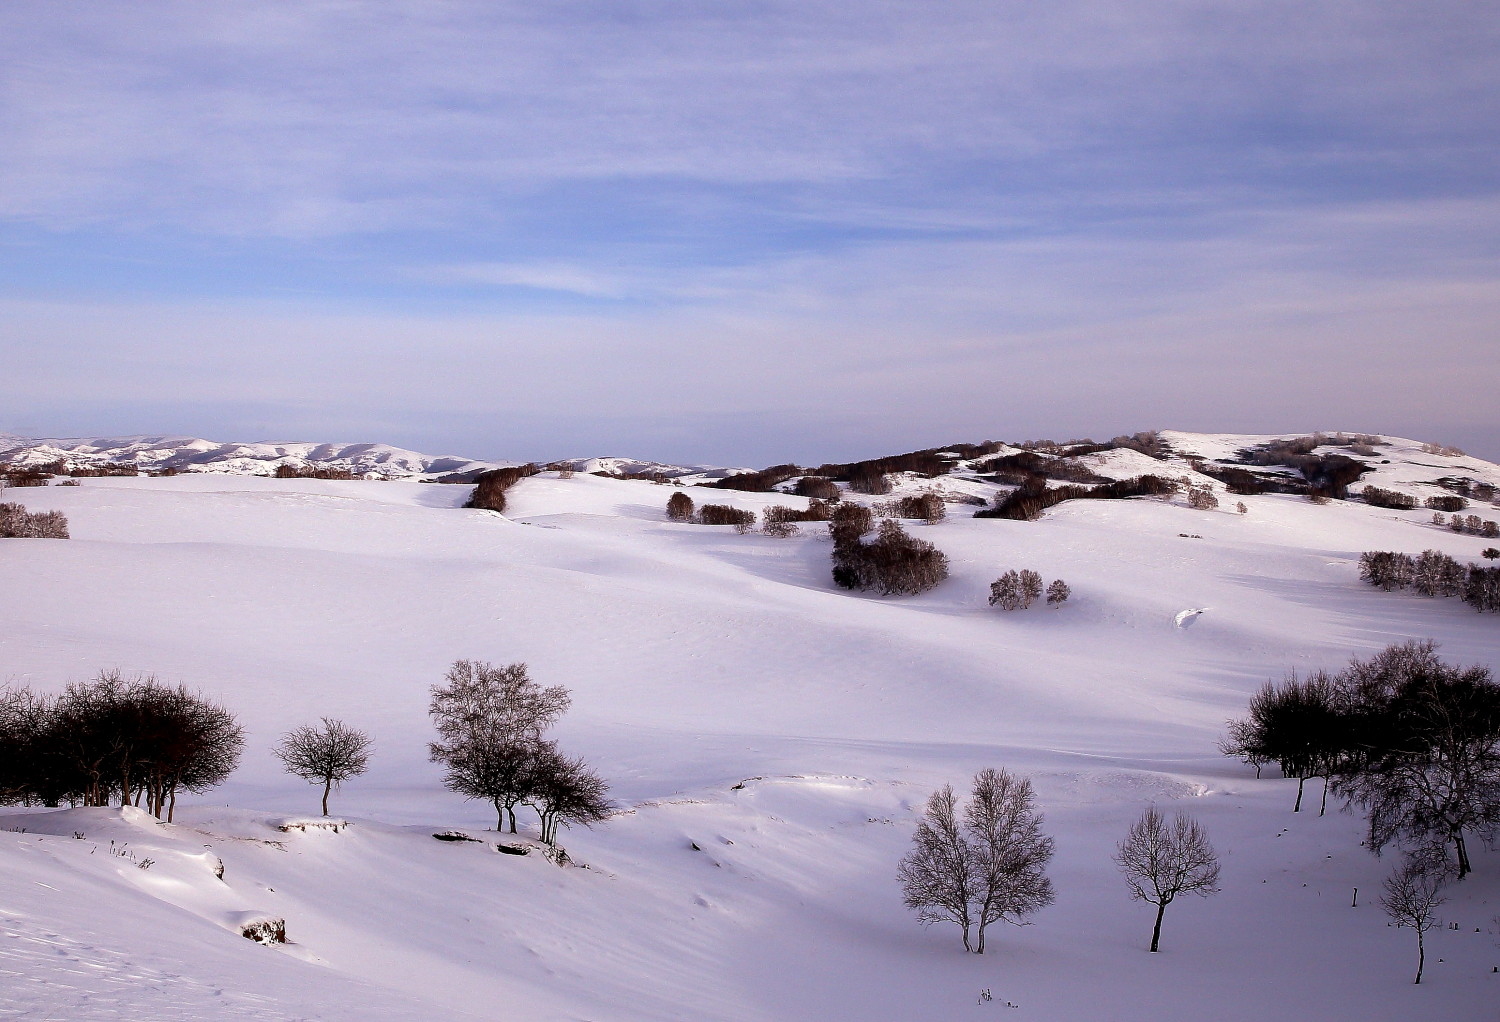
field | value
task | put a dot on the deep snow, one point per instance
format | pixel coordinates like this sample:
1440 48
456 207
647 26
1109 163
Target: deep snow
698 660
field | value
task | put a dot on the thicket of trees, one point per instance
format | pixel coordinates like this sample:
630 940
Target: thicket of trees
894 563
18 523
490 723
722 514
134 741
680 507
1433 573
1018 590
1409 739
1377 496
979 864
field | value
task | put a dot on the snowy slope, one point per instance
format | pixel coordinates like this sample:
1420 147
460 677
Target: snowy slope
736 701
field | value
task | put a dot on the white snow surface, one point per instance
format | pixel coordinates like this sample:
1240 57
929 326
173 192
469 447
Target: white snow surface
738 702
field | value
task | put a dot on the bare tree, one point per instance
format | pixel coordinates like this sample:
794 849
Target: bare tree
1058 593
680 507
331 753
1411 895
1031 588
1161 862
989 868
564 790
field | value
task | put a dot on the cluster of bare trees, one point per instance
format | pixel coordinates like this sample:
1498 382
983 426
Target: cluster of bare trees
18 523
985 861
136 740
1201 498
489 487
1467 525
1018 590
894 563
490 723
1408 738
1432 573
923 507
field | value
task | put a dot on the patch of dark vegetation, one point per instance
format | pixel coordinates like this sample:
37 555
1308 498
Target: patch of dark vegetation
490 487
265 931
507 848
29 476
1448 503
1029 463
1327 475
1246 483
1028 503
1464 486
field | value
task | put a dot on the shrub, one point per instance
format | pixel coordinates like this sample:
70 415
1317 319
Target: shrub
1241 508
1439 519
1446 502
285 471
723 514
1482 589
680 507
849 522
816 487
779 521
1434 573
1489 553
18 523
894 563
1386 569
1017 590
1442 449
1201 498
1058 593
1375 496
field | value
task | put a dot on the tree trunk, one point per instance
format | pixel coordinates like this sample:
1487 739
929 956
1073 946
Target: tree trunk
967 945
499 818
1298 807
512 811
1421 956
1161 909
172 806
979 947
327 784
1463 855
1324 807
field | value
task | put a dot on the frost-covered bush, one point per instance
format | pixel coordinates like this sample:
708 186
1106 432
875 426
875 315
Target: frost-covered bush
18 523
1201 498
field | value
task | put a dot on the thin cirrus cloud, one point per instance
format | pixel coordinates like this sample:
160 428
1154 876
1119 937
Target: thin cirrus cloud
808 209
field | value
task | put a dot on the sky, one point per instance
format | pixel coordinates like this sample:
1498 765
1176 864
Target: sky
748 232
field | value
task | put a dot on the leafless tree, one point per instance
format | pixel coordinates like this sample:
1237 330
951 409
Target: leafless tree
331 753
990 867
1058 593
1161 862
779 521
1006 591
1412 893
1031 588
564 790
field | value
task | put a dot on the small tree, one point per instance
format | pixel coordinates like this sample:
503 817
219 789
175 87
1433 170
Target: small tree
564 790
1411 895
1161 862
1058 593
779 521
990 867
680 507
331 753
1241 508
1489 553
1031 588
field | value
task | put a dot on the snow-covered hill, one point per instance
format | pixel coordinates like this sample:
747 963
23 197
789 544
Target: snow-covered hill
769 739
193 454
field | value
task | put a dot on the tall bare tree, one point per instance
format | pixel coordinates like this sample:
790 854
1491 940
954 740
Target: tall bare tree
331 753
1163 861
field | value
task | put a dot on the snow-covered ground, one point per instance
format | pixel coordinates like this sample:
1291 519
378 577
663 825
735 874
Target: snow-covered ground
738 702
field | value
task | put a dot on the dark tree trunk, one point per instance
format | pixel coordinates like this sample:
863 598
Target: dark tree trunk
1421 956
512 811
1464 869
1298 807
1161 910
1324 807
327 784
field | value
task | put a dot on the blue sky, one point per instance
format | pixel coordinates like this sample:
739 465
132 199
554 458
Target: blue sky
748 232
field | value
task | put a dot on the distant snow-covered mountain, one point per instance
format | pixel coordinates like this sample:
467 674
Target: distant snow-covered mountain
194 454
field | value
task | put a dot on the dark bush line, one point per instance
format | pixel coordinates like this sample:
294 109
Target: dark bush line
18 523
1448 503
490 487
929 463
723 514
1028 503
312 472
1466 487
1030 463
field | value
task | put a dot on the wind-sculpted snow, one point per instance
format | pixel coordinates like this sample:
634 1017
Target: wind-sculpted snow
769 740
